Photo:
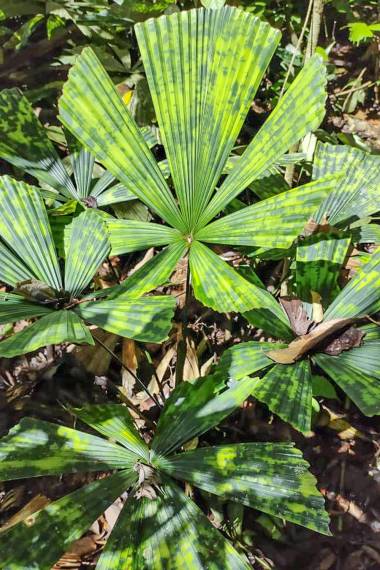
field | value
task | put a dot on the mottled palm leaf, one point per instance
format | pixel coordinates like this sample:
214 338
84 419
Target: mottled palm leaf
15 307
25 229
192 409
34 448
153 273
357 194
300 111
12 269
220 287
247 358
54 328
25 144
287 391
115 422
83 165
357 371
147 319
92 109
199 92
168 533
88 248
59 524
361 296
319 259
271 477
132 235
272 223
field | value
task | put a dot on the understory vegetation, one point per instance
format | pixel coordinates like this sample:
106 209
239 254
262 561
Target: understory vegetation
189 284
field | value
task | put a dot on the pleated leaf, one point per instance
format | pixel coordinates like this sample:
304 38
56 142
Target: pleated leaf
14 308
219 286
270 477
192 409
54 328
357 373
361 296
88 248
300 111
25 229
270 323
132 235
169 532
357 194
114 195
12 270
319 260
152 274
203 69
287 391
92 109
83 165
246 358
57 526
25 144
271 223
34 448
115 422
147 319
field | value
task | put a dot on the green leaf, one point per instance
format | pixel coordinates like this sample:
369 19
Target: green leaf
219 286
357 373
151 275
169 532
57 526
356 195
54 328
322 388
192 409
359 31
300 111
12 270
200 95
319 260
25 229
287 391
88 248
271 477
92 109
25 144
34 448
14 308
83 165
114 195
246 358
274 222
132 235
213 4
115 422
361 296
147 319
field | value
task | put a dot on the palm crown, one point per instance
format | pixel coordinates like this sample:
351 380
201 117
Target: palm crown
203 68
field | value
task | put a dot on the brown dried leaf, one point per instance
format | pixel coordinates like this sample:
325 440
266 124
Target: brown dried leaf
26 513
350 338
307 342
297 316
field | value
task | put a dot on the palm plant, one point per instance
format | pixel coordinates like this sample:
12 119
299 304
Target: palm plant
356 199
341 344
25 144
159 525
29 264
203 68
